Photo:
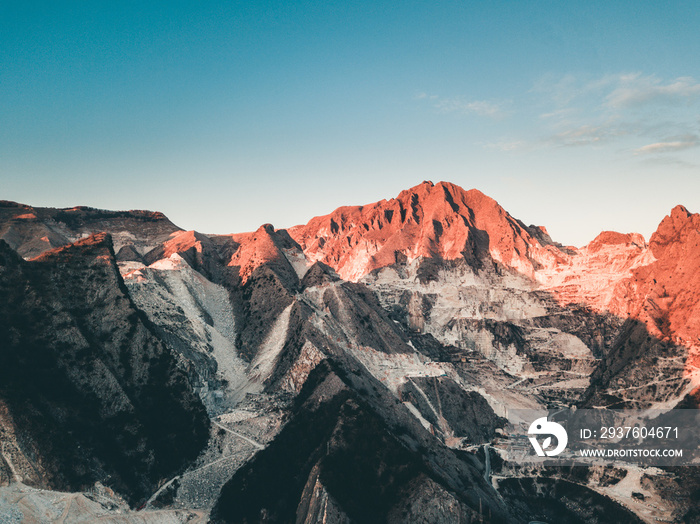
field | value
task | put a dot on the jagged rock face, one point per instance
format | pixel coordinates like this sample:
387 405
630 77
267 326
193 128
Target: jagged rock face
447 408
265 296
664 293
462 315
194 317
91 392
435 221
556 500
197 249
652 290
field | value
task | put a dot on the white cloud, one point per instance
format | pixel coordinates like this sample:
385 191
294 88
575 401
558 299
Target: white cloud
558 113
423 96
636 90
669 146
584 135
633 114
512 145
617 92
589 134
559 90
668 161
485 108
644 113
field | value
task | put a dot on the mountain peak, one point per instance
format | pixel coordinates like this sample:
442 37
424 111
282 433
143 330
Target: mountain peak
33 230
613 238
428 220
674 228
680 212
267 246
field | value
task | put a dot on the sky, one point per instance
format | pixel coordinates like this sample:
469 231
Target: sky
581 116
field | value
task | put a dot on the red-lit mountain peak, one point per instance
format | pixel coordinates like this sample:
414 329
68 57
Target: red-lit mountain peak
429 220
267 246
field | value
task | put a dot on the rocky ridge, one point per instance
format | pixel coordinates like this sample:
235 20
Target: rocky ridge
33 230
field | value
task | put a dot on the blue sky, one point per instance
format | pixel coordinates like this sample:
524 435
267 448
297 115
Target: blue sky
580 116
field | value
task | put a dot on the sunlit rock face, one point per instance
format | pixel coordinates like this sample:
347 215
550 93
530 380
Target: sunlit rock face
440 221
590 275
654 288
664 293
661 301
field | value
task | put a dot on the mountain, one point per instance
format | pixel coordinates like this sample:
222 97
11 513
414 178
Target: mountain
358 368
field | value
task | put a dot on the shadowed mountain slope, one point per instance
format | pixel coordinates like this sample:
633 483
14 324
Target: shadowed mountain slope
336 454
92 394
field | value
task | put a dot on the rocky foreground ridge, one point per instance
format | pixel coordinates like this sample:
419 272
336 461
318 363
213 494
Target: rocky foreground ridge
371 354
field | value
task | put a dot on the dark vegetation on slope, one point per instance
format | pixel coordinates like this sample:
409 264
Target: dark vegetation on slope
558 500
94 394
